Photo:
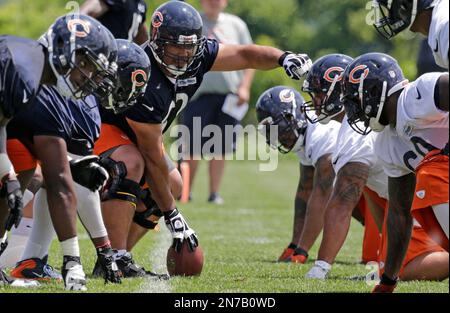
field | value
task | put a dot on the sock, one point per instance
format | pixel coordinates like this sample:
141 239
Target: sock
292 246
42 231
17 240
70 247
27 197
89 211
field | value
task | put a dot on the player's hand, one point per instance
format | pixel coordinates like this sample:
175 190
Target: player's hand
386 285
180 231
295 65
10 189
88 172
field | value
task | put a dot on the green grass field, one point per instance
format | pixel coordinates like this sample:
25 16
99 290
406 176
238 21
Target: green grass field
241 240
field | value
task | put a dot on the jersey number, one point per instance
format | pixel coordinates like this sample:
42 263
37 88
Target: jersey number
421 146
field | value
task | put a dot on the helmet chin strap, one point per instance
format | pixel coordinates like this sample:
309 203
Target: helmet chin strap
330 117
413 13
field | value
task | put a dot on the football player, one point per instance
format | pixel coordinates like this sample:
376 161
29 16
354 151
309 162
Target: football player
377 95
180 56
76 60
428 17
314 144
353 161
125 19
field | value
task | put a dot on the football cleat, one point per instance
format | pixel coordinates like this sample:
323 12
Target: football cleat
298 258
5 280
73 274
286 255
106 266
320 270
129 268
35 269
215 198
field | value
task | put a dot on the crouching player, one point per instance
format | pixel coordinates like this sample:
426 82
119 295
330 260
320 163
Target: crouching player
80 136
314 143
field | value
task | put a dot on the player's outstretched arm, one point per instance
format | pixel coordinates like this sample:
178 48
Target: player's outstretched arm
240 57
399 227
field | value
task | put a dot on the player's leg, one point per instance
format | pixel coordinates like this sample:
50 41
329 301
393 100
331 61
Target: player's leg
123 197
428 266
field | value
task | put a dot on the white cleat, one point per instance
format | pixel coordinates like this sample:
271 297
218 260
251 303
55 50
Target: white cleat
320 270
74 277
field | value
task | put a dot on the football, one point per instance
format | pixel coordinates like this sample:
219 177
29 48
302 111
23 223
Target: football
185 263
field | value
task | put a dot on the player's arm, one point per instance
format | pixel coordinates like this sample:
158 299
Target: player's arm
399 228
240 57
9 189
304 188
52 152
94 8
441 93
150 140
322 188
142 34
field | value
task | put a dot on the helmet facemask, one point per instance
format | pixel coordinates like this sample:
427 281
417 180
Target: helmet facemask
393 16
329 106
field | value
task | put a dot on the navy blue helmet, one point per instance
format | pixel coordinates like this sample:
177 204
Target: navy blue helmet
368 81
280 107
394 16
133 73
323 83
77 35
177 24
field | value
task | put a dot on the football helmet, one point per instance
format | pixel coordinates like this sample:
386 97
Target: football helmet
394 16
324 79
281 107
77 35
177 25
367 83
130 83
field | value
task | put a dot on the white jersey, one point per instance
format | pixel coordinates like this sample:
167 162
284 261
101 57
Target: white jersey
354 147
438 33
421 127
320 140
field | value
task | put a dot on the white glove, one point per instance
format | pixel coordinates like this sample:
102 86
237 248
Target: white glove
295 65
180 231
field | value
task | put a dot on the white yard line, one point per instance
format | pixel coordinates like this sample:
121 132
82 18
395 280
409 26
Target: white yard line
158 261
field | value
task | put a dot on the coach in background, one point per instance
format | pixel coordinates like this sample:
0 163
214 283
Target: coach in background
217 89
125 19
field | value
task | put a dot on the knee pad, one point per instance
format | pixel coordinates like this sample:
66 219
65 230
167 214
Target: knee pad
119 187
152 211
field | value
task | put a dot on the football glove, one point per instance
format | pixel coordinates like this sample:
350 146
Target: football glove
111 272
88 173
295 65
10 189
180 231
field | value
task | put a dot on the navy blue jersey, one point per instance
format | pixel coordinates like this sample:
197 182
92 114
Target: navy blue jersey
21 66
124 17
163 99
76 121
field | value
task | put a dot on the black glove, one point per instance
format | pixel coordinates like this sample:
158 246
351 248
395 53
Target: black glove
295 65
110 270
11 191
88 173
180 231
